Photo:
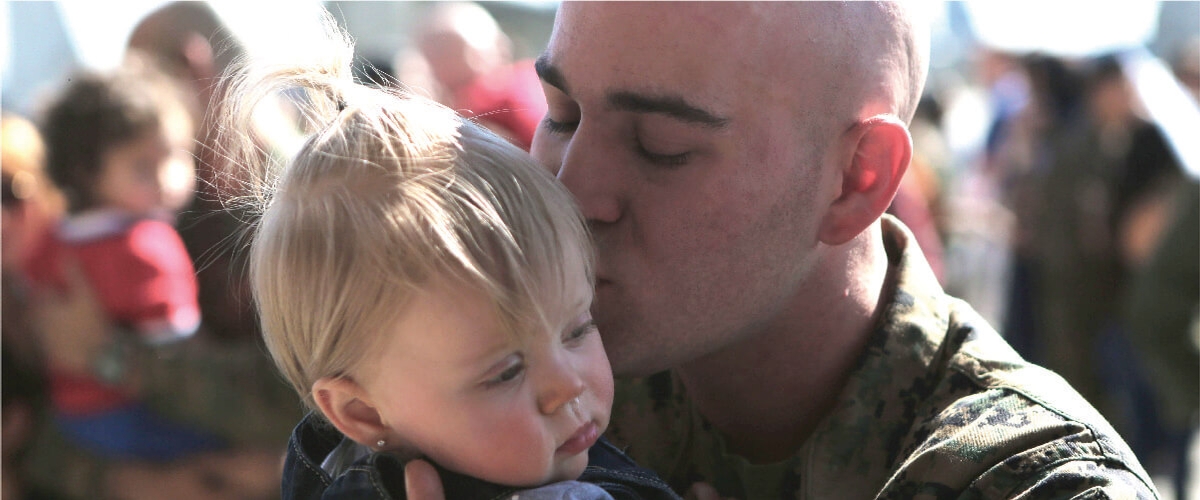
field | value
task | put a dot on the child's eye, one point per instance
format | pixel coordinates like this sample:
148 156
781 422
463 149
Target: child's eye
507 375
581 331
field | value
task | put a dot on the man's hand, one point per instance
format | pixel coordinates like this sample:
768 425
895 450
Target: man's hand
421 481
238 474
71 323
243 473
145 481
704 491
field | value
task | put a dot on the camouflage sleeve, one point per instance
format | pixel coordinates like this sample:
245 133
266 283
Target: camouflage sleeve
1039 456
1002 444
1048 473
1081 480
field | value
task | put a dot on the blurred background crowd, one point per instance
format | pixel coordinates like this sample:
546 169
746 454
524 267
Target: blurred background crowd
1055 186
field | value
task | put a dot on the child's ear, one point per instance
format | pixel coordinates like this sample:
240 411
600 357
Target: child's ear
347 407
878 151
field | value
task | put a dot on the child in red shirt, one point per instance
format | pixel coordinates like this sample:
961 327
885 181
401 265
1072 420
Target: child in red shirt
119 147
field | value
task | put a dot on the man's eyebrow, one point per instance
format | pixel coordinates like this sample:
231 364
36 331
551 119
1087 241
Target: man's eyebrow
550 73
670 105
673 106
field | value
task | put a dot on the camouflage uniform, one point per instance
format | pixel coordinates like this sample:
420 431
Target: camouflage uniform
938 406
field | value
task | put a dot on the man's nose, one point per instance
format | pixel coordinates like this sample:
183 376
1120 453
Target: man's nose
594 175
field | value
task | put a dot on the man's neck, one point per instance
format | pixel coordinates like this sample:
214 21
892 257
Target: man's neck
768 393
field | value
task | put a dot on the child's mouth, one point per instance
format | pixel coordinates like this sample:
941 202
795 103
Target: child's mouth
583 439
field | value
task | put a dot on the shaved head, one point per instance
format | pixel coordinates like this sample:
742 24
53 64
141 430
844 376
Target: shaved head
862 58
706 142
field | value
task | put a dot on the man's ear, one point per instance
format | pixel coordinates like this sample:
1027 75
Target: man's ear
346 406
199 56
880 148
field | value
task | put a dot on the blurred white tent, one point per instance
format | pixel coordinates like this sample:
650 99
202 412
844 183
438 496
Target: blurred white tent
44 41
1128 28
1063 28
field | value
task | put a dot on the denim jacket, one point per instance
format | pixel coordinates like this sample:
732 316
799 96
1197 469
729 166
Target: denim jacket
381 475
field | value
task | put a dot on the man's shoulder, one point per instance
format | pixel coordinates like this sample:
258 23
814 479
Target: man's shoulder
982 372
995 426
1004 441
938 403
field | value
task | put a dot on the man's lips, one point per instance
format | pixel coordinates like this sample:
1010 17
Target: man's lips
583 439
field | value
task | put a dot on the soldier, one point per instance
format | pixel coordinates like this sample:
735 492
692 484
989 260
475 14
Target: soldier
734 161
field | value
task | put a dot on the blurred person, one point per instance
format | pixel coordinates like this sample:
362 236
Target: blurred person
30 201
189 42
1069 244
1186 66
226 367
1039 107
1104 175
412 71
30 206
40 459
1163 310
112 142
918 193
1162 314
219 380
223 379
1094 165
914 206
25 405
977 223
792 339
470 58
1154 224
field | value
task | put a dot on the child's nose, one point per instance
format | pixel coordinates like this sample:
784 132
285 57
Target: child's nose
561 385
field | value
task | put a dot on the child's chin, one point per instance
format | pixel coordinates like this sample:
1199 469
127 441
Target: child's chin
561 470
570 469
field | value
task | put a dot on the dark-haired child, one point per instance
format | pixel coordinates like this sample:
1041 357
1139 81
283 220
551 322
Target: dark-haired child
118 145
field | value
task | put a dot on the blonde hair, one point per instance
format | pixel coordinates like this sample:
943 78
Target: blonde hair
389 191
